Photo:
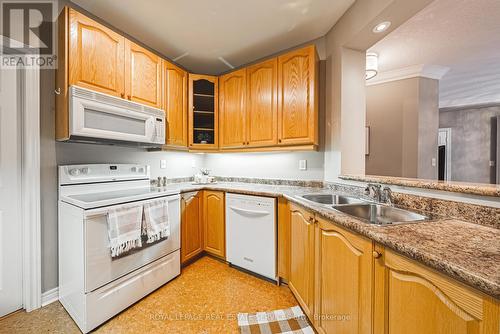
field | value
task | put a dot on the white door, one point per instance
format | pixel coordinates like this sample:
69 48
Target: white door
11 294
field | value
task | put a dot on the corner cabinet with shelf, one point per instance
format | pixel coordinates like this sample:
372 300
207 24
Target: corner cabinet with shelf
203 112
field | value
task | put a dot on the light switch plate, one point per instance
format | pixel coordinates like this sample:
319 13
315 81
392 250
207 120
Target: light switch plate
163 164
433 162
302 164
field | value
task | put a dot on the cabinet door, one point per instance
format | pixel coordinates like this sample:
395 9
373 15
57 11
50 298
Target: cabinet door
175 104
96 56
214 224
191 226
142 75
297 97
262 108
343 281
232 90
302 257
413 299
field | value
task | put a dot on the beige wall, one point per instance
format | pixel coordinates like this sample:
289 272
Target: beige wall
346 43
403 118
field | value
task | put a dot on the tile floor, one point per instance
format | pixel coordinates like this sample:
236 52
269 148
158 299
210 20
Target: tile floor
204 299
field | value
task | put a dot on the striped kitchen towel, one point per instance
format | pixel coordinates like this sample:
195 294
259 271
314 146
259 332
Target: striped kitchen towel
288 321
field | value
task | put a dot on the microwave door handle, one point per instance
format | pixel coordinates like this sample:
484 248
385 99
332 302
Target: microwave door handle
150 128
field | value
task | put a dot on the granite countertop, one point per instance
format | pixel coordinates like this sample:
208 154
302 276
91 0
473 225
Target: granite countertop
464 251
482 189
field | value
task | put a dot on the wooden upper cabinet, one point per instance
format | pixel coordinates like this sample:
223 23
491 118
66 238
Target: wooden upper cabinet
232 110
96 56
214 227
298 97
143 74
191 225
175 104
301 280
411 299
343 280
203 115
261 104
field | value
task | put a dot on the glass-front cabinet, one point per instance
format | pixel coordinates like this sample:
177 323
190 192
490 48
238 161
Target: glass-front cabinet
203 112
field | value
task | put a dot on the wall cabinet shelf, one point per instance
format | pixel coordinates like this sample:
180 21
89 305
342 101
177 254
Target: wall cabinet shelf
203 116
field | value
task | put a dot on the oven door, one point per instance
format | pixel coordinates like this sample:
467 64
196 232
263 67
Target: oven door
95 119
100 268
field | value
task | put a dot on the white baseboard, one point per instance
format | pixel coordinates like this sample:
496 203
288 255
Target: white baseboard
50 296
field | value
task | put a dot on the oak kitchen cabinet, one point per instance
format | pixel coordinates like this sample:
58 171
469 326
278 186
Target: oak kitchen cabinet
175 105
214 228
95 57
203 116
271 104
359 287
143 75
410 298
262 104
343 280
191 225
298 97
301 278
232 110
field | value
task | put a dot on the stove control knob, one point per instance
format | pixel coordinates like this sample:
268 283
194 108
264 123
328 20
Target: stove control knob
86 170
74 172
134 169
141 170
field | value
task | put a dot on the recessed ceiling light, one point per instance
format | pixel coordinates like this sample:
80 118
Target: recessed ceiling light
381 27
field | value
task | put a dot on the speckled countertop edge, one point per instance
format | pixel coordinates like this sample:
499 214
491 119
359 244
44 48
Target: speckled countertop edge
478 266
459 187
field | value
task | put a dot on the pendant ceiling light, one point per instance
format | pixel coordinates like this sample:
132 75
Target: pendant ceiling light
371 65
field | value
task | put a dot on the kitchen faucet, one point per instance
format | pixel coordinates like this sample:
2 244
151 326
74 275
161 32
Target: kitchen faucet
374 191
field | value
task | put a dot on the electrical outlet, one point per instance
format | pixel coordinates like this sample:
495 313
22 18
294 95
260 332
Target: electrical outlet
302 164
163 164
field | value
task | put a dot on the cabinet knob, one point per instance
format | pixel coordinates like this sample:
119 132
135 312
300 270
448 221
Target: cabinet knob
279 140
244 143
376 254
122 95
311 219
128 96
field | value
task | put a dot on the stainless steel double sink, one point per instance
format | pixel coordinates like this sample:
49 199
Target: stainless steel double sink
365 211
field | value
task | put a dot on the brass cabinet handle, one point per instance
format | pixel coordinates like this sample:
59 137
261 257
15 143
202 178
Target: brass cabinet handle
376 254
122 95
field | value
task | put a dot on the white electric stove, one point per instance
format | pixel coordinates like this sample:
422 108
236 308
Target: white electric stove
93 286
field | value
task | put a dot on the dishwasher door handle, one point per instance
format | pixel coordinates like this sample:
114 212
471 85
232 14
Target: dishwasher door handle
249 212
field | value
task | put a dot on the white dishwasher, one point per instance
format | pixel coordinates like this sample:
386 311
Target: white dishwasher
251 233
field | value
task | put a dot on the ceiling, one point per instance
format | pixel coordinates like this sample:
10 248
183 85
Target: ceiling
463 35
198 32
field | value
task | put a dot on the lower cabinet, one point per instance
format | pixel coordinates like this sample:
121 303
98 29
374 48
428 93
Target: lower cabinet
301 278
214 223
343 280
191 225
410 298
346 283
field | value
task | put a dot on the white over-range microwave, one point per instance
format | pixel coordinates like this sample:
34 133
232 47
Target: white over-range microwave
101 118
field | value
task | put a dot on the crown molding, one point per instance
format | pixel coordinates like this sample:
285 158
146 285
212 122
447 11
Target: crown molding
423 71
